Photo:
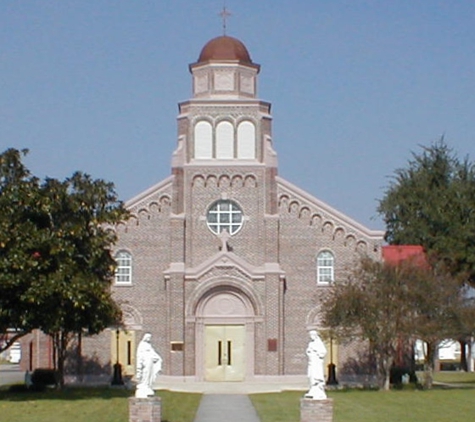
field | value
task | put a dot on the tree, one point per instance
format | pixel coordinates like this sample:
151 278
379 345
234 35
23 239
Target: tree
439 305
386 304
372 305
431 203
59 271
19 235
75 289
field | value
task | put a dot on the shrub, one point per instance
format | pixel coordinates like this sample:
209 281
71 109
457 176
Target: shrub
44 377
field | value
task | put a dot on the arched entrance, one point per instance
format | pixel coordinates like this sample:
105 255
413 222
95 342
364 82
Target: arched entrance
225 318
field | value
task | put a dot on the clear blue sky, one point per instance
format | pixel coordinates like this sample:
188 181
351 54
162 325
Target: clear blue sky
355 86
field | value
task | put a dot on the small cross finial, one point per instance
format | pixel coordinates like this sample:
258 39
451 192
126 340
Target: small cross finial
225 14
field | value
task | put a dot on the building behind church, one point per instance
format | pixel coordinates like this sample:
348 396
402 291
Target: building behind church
224 262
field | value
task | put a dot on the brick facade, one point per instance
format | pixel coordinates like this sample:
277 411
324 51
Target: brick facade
188 282
145 410
316 410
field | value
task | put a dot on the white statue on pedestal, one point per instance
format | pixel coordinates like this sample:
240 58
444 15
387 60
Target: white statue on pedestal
149 364
316 352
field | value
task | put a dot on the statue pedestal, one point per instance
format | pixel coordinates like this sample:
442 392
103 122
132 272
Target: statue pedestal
316 410
145 410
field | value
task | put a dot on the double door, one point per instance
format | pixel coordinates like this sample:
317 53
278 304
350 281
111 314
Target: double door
224 352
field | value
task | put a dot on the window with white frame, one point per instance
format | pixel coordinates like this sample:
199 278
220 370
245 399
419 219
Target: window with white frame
224 215
123 271
325 267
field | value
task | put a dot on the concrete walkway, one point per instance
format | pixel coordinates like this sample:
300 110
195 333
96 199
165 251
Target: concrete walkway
257 385
226 407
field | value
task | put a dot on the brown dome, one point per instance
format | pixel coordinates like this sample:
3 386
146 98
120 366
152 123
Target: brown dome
225 48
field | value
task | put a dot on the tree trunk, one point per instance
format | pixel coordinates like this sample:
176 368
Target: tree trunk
384 372
80 367
60 341
469 354
463 355
429 364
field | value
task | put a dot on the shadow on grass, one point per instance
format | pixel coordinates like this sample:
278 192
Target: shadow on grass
175 406
80 393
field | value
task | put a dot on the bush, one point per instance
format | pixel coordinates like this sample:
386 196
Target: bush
397 374
18 388
44 377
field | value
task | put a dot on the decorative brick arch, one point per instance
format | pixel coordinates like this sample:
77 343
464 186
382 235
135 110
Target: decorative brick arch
132 318
223 301
218 285
313 320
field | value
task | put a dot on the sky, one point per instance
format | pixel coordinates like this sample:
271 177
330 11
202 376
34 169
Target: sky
356 86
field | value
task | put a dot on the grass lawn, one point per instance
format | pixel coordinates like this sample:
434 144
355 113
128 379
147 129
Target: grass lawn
437 405
111 405
455 377
89 405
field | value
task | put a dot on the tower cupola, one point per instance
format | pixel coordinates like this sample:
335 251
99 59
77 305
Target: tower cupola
224 69
225 48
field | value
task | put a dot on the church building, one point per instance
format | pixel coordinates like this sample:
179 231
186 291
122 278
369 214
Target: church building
224 262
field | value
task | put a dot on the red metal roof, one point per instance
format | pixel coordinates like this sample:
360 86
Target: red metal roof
395 254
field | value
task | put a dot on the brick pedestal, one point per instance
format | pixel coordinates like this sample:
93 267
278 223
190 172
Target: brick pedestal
316 410
145 410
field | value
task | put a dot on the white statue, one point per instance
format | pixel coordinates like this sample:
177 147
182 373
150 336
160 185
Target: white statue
316 352
149 364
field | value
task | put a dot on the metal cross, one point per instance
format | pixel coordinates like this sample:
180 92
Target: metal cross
224 15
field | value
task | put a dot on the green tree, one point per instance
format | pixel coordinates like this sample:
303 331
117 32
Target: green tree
59 268
386 305
372 305
75 288
439 305
19 236
431 202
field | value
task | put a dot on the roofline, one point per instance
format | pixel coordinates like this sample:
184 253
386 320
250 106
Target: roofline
374 234
148 192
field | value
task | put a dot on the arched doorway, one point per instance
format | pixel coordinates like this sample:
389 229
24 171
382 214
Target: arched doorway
225 319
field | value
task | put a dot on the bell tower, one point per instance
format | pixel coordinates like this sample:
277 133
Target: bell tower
224 143
224 222
224 123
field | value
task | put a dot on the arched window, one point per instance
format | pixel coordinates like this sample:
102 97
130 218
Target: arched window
203 140
224 140
123 271
325 267
246 141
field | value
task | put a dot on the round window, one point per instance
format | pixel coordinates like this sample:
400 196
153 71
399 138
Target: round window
224 214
